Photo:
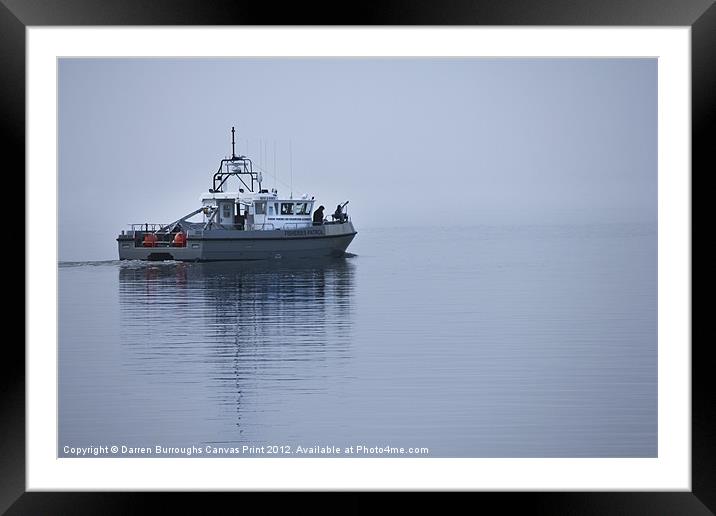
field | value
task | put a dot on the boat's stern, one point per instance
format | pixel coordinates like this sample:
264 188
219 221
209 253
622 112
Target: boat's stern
147 245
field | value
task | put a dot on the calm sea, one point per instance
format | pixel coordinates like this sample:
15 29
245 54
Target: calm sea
509 341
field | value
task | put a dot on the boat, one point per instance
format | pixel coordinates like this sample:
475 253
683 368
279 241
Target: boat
247 223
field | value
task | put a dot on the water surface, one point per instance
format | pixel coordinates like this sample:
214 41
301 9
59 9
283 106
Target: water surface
486 341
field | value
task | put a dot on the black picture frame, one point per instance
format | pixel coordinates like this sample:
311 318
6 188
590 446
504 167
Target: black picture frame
700 15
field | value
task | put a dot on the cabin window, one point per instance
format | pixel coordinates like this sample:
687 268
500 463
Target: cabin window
286 208
260 208
302 208
270 209
227 211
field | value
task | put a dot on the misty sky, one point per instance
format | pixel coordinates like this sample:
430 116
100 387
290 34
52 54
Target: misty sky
410 142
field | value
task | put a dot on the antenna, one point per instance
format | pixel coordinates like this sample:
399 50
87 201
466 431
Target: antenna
233 152
290 158
274 163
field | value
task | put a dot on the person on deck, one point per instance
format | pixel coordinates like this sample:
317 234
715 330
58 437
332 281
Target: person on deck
338 214
318 216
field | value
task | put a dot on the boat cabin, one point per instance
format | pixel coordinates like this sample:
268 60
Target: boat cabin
250 208
264 210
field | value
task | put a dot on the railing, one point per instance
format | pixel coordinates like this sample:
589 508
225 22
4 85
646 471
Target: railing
140 233
147 227
336 221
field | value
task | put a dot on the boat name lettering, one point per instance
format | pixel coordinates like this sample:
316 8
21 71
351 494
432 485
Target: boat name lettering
304 232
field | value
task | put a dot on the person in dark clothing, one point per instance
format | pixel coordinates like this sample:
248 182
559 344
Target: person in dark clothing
338 214
239 220
318 216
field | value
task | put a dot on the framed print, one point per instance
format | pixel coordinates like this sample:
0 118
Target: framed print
500 301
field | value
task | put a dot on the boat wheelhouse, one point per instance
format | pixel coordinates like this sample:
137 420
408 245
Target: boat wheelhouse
262 211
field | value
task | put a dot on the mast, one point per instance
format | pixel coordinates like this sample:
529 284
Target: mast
233 152
235 166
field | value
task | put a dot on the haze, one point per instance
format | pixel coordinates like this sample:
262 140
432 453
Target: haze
410 142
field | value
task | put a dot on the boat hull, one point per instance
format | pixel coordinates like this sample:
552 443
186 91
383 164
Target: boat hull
234 245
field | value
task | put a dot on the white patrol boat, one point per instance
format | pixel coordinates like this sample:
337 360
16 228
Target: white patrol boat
250 223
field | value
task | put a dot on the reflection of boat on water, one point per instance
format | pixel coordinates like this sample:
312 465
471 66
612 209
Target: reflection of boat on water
224 345
239 290
141 272
252 223
249 303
